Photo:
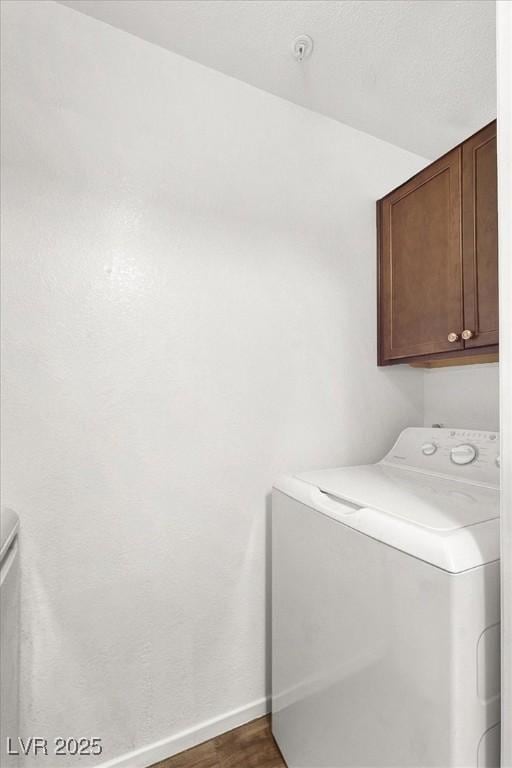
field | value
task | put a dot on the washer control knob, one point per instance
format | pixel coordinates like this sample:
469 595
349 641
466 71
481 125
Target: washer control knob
463 454
428 449
497 461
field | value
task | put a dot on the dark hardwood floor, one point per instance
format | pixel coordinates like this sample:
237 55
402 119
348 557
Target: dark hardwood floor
250 746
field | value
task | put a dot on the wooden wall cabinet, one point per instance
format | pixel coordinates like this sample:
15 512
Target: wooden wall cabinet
438 260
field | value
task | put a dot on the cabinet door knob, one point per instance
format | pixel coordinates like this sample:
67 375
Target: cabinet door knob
453 337
467 334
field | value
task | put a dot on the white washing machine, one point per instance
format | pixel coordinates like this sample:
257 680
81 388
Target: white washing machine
385 614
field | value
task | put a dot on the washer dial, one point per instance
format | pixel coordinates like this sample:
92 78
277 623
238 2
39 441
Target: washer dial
463 454
428 449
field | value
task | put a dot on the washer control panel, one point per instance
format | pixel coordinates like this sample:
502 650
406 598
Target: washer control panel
469 455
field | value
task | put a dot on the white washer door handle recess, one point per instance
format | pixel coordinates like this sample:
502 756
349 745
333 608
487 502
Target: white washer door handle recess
463 454
331 505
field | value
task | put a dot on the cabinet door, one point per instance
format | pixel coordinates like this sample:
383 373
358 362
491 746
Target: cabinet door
420 264
480 237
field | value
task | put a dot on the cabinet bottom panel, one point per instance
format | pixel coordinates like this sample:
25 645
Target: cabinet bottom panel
475 355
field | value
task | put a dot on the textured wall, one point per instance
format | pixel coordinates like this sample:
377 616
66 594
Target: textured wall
465 396
504 41
189 311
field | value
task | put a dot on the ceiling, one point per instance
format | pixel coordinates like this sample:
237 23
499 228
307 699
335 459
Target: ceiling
417 73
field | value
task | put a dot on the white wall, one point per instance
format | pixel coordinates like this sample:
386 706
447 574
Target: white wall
189 311
465 396
504 61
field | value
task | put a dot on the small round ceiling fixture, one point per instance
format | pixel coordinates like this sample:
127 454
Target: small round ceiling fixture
302 47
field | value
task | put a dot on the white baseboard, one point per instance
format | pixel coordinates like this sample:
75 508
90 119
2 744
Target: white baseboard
159 750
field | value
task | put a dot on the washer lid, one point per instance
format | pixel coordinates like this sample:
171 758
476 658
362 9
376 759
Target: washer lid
435 503
456 536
